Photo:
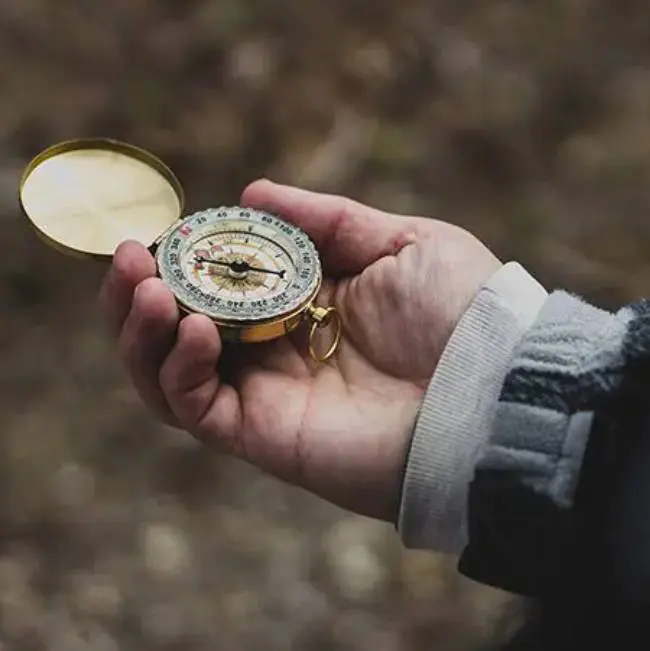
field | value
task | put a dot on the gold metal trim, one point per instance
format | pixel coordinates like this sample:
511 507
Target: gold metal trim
96 144
321 317
260 331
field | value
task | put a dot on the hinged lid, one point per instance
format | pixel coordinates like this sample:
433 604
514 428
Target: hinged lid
86 196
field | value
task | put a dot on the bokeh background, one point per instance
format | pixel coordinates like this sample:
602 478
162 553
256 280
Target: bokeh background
527 122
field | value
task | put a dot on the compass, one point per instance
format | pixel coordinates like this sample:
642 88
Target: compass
254 274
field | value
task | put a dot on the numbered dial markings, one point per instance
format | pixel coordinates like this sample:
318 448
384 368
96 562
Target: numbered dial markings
234 264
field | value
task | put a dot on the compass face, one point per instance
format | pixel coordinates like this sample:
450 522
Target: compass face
239 265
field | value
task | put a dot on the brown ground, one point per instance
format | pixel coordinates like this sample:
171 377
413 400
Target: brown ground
527 122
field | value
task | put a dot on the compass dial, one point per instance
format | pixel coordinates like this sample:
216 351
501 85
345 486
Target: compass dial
239 265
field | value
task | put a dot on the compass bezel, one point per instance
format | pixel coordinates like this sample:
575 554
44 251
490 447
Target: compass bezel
215 222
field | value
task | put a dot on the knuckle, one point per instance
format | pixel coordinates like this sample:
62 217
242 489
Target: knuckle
345 209
344 212
168 381
128 349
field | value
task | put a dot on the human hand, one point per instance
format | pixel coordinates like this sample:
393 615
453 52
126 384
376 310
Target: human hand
342 429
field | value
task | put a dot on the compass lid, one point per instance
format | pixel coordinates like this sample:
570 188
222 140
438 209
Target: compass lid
85 196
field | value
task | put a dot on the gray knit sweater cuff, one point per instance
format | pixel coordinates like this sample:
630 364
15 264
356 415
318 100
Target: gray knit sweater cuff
458 409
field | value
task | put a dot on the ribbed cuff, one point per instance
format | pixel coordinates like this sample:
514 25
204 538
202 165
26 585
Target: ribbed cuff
458 408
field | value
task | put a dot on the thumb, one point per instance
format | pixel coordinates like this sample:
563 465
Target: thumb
349 235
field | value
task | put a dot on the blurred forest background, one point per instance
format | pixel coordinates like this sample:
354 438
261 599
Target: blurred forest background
528 123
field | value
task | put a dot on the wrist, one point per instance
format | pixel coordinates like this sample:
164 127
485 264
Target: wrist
455 415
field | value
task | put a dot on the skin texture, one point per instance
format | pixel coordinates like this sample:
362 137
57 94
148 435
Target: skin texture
340 430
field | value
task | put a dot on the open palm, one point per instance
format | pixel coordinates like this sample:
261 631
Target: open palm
339 429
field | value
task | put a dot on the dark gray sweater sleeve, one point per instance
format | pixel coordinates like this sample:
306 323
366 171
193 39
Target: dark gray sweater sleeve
531 456
549 482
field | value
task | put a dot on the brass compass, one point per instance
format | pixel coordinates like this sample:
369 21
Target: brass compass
254 274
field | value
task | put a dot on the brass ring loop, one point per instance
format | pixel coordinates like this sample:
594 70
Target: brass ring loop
330 314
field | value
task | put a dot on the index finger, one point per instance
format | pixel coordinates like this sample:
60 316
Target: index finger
132 263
